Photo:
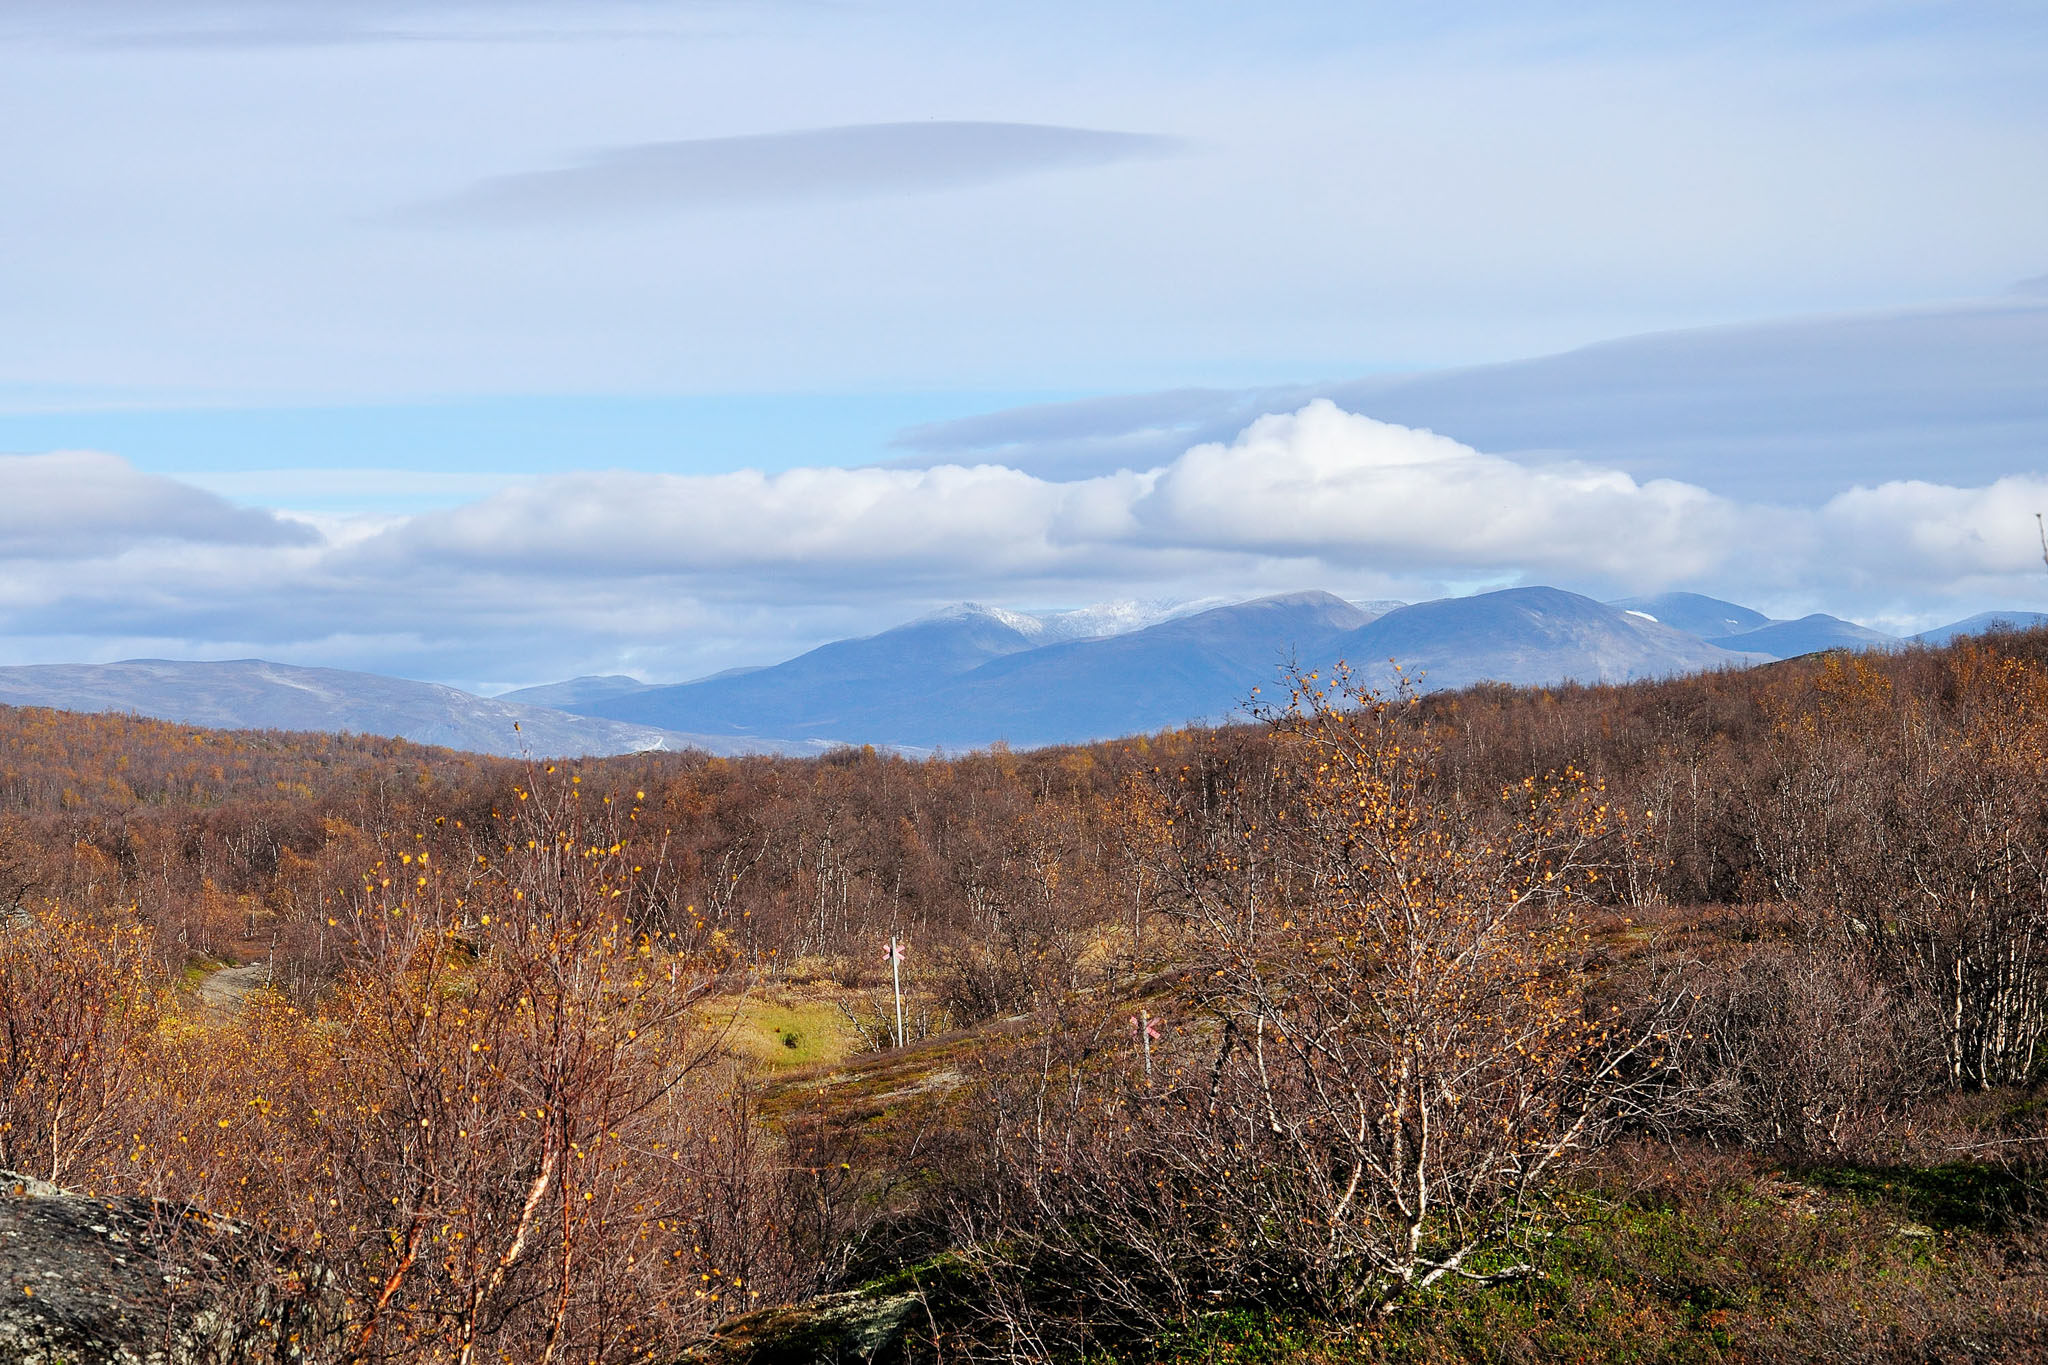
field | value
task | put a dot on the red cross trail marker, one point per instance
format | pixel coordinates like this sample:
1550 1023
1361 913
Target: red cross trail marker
1146 1029
893 954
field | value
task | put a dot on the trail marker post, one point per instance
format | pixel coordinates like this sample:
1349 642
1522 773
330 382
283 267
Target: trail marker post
1147 1030
894 952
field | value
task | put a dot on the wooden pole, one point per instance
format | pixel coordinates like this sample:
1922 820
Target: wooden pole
896 980
1147 1028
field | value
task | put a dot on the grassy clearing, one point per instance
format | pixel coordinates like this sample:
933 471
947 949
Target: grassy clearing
779 1031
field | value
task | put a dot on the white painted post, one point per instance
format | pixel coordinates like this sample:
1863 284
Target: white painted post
896 979
1147 1029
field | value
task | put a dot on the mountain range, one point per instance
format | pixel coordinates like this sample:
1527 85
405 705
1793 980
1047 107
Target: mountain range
971 675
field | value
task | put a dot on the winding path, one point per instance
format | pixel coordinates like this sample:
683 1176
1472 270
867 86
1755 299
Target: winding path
230 986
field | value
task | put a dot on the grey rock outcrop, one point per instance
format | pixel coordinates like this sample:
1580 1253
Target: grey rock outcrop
95 1280
862 1325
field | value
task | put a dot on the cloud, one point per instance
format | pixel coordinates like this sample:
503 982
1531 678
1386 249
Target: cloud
82 504
1091 435
205 227
1781 411
889 525
673 575
852 162
171 25
1316 496
1319 487
1898 535
1346 490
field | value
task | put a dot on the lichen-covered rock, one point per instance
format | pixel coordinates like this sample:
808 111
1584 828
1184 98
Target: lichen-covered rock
88 1280
863 1327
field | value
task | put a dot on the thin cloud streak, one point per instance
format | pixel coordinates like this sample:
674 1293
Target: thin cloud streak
1374 188
853 162
173 25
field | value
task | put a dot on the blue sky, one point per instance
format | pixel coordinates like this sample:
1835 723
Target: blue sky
449 287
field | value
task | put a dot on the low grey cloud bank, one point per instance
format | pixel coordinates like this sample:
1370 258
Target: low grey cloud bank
83 505
1788 411
671 575
850 162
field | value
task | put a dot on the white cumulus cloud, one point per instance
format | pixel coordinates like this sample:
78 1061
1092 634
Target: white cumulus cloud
1320 486
1348 490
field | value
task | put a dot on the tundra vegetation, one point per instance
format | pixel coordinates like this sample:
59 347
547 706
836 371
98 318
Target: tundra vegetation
1692 1020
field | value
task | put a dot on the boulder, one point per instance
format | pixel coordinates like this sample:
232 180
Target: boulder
861 1327
120 1280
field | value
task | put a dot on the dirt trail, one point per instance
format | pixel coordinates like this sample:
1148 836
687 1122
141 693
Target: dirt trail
230 986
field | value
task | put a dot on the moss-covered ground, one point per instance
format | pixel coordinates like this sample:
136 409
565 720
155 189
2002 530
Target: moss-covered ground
1729 1264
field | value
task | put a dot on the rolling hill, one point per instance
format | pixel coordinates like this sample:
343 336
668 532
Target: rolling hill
1527 636
1981 623
1807 635
251 694
1706 617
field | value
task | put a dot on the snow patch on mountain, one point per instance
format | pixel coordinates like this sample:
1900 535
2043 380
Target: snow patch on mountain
1097 621
1105 619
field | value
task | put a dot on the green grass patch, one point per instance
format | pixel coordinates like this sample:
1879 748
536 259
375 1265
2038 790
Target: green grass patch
778 1032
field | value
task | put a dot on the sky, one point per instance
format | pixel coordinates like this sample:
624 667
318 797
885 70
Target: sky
497 341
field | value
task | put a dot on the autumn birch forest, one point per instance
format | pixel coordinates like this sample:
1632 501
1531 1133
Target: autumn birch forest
1699 1020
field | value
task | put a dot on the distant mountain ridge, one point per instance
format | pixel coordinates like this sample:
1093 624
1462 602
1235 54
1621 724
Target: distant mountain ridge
1197 668
1807 635
1706 617
1527 636
254 694
1982 623
568 695
970 675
